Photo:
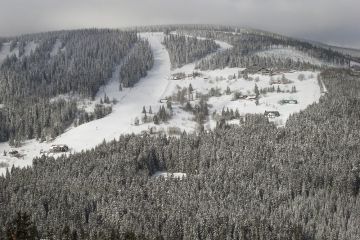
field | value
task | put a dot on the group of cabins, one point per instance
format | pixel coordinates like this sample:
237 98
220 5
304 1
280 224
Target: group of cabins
280 81
264 71
248 97
58 148
257 70
288 101
14 153
178 76
182 75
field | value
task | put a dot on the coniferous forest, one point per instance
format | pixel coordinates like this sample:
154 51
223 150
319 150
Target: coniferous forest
249 181
84 61
184 49
255 181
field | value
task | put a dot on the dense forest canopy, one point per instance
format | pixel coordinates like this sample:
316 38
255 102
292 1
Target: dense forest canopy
247 44
82 62
247 41
253 181
184 49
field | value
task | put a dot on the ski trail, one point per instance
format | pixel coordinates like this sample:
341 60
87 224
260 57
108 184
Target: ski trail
86 136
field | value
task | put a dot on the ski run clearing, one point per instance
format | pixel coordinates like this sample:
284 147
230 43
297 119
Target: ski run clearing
157 85
5 50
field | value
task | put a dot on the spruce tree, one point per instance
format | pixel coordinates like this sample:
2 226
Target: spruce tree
21 228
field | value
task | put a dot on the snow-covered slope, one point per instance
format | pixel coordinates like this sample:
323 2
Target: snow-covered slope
291 53
130 103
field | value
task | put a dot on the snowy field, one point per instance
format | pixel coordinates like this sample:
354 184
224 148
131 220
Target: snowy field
156 86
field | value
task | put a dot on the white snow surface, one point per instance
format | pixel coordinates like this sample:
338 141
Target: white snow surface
157 85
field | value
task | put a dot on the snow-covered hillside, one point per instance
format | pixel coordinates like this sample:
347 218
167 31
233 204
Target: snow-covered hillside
290 53
307 92
5 50
158 85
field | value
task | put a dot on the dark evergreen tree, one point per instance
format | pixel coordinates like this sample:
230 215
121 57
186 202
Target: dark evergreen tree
21 227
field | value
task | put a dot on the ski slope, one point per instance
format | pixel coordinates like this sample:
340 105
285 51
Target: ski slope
130 103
